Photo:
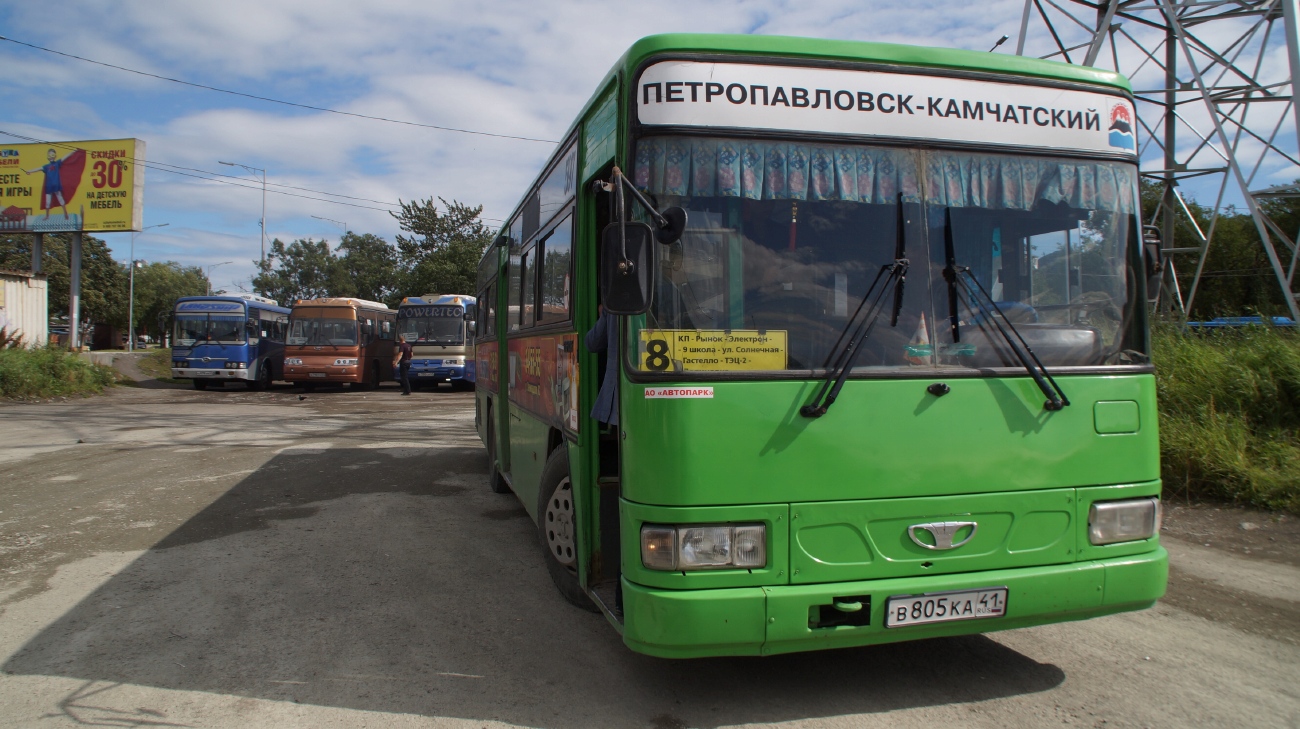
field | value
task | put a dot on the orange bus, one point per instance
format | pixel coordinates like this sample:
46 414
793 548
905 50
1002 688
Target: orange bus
340 340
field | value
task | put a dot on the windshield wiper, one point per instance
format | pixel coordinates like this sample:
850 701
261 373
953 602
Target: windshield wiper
840 360
953 274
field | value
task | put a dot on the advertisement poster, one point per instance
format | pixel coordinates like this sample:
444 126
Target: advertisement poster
546 383
93 186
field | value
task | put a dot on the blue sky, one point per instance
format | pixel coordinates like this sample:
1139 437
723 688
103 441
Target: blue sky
516 68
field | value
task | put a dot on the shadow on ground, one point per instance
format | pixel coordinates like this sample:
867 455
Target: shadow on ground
392 580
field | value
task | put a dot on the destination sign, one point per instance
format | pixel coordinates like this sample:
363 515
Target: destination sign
884 104
694 350
209 306
412 312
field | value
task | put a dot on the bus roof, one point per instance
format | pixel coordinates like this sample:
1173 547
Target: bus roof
438 300
344 301
237 298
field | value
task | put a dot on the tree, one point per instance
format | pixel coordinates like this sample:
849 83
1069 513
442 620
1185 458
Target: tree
304 269
103 280
368 266
444 249
157 287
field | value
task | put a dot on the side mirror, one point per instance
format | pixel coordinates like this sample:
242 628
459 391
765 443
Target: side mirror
501 241
1153 257
626 283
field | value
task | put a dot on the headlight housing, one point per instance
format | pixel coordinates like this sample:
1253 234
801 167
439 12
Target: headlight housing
1129 520
178 363
236 366
453 362
673 548
292 361
345 362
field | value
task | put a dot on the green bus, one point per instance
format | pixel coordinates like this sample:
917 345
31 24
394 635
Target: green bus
873 355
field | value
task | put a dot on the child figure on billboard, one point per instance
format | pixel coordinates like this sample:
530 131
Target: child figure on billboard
54 173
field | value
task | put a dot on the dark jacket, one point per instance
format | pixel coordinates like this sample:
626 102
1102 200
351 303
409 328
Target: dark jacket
603 339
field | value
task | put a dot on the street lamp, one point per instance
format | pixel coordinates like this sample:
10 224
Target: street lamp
210 274
342 225
263 221
130 307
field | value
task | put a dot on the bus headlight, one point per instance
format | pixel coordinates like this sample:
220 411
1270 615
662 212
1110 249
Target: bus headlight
292 360
715 546
453 362
236 366
345 362
1123 521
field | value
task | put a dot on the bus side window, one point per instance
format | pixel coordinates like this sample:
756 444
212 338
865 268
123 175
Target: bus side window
554 273
528 279
387 329
253 327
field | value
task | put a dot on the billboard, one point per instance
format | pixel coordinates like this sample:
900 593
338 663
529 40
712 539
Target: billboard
94 186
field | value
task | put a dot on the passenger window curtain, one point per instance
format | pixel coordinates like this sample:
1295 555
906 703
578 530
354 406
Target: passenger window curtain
760 170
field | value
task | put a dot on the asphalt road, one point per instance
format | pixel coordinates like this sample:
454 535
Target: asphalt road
234 559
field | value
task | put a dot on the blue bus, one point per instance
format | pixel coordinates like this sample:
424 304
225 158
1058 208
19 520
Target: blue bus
222 338
441 334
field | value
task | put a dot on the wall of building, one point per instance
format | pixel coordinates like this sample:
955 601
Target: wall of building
24 306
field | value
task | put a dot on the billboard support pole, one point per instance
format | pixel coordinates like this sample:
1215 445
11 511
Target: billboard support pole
74 293
38 251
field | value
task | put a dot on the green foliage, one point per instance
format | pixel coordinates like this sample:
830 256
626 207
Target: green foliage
49 372
304 269
157 287
443 251
1238 280
1230 414
103 280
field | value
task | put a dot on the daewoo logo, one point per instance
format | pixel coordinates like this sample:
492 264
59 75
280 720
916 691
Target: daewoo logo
942 532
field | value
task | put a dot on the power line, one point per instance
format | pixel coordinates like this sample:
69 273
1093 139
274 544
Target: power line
274 101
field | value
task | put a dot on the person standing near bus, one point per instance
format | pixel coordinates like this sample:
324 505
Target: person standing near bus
602 339
402 363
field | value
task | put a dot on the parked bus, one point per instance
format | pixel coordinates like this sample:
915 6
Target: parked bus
440 330
218 339
332 341
878 343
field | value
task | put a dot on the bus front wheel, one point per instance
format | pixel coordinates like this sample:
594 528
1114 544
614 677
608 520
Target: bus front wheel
557 528
263 380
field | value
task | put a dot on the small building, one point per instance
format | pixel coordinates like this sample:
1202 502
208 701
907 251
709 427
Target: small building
25 306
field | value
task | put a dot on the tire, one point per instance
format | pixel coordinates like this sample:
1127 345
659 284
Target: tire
557 529
200 384
263 380
495 480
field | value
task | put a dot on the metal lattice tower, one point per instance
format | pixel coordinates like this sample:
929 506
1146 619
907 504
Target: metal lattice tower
1215 101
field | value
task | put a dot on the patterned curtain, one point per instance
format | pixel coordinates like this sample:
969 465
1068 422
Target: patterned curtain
759 170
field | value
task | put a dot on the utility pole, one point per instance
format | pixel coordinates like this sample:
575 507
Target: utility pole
210 274
262 223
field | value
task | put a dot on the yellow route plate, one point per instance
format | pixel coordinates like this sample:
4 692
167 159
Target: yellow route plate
695 350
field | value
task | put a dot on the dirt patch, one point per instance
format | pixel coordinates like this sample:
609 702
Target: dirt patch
1238 530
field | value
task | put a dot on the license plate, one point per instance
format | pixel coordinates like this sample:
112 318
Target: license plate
205 373
317 374
942 607
426 374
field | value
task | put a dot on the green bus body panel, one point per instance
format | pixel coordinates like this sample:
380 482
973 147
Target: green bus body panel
527 455
837 541
770 620
882 439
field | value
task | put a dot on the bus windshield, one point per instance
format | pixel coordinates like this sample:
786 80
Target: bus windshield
192 329
784 239
338 332
432 324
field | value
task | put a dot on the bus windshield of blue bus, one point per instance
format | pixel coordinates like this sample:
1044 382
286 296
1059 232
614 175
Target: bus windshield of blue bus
432 324
193 329
338 332
784 239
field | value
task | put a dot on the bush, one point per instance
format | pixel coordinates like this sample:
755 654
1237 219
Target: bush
49 372
1229 414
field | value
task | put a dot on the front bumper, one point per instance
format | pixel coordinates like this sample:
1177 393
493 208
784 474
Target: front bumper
769 620
210 373
309 373
436 373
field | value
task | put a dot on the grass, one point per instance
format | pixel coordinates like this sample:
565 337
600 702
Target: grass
158 365
1230 415
49 372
